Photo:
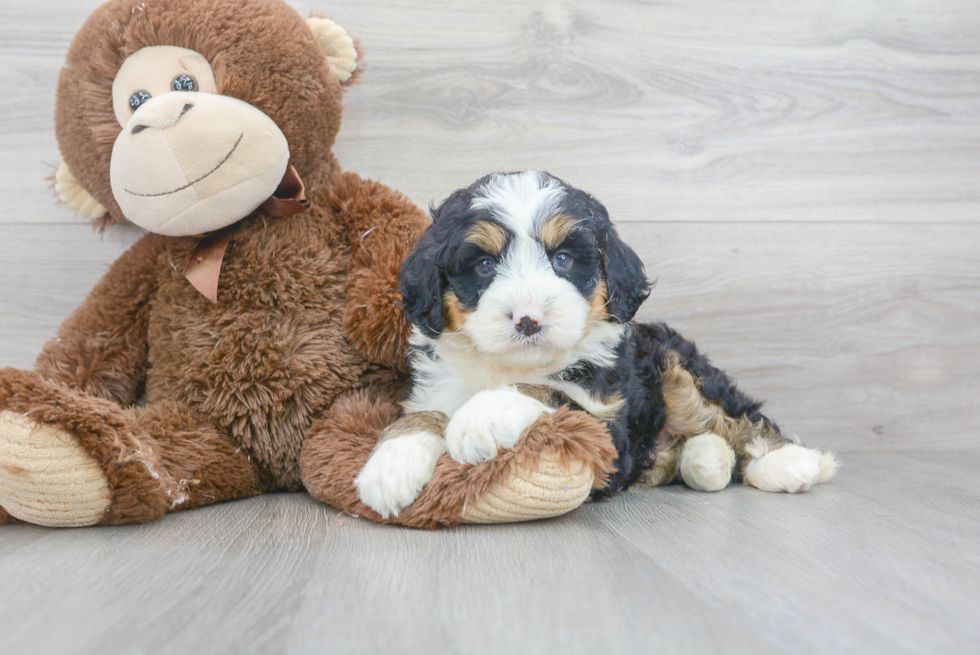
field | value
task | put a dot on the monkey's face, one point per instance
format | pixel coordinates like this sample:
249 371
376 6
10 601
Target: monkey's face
182 116
188 160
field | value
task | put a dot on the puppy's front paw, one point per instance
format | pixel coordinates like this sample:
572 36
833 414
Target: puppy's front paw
397 470
490 420
790 468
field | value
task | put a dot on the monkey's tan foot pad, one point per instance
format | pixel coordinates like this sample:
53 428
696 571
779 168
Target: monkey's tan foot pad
46 478
551 490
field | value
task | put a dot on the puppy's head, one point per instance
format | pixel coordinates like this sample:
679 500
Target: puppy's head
523 266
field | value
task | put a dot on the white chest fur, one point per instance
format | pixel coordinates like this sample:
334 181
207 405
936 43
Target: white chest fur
447 372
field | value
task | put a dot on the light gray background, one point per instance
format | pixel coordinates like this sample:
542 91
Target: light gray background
802 179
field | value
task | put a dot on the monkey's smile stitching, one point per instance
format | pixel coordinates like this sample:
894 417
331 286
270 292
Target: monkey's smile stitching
219 165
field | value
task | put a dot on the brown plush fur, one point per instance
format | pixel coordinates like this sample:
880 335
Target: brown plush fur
338 449
389 224
307 309
108 362
205 465
158 457
126 453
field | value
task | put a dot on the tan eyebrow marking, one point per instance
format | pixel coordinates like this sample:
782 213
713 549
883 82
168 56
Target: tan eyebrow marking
553 231
489 236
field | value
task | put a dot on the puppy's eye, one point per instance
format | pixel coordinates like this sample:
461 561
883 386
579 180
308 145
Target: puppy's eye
561 261
138 99
485 266
184 82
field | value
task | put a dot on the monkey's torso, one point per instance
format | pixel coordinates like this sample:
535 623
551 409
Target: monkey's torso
270 357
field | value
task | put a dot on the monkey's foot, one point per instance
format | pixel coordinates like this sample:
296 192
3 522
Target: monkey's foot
552 489
46 477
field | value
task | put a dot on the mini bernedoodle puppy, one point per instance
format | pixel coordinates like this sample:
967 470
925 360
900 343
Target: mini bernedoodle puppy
521 295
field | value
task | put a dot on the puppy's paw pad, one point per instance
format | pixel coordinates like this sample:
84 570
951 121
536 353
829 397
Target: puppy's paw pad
396 472
488 421
706 462
790 468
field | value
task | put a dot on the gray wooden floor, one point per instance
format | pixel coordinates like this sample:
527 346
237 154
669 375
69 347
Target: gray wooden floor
802 178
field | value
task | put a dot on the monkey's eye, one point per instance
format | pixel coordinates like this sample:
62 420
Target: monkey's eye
184 82
561 261
485 266
138 99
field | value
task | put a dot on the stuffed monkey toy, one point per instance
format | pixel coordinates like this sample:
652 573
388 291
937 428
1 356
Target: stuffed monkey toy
252 340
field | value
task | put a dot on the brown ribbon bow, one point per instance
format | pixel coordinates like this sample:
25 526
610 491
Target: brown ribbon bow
204 266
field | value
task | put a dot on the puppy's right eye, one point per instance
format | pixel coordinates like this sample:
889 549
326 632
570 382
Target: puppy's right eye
562 261
485 266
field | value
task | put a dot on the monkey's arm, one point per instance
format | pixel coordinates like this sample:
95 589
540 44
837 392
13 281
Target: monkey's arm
383 226
101 348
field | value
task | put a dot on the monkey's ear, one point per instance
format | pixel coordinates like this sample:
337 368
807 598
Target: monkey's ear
341 51
73 194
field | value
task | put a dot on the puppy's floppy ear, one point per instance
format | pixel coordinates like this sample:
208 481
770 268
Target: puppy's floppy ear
626 280
423 275
422 284
625 277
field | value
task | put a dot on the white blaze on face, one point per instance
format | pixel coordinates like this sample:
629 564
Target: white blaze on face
188 162
525 282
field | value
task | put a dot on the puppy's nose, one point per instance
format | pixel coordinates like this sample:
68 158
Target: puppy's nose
527 326
527 318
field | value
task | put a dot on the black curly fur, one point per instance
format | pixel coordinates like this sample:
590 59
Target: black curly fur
636 377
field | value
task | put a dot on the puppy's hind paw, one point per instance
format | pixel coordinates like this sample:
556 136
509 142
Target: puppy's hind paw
828 467
707 462
790 468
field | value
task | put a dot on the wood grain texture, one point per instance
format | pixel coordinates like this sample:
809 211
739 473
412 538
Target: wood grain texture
800 178
804 111
882 560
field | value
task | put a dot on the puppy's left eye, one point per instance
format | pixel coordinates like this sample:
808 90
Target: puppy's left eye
561 261
184 82
485 266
